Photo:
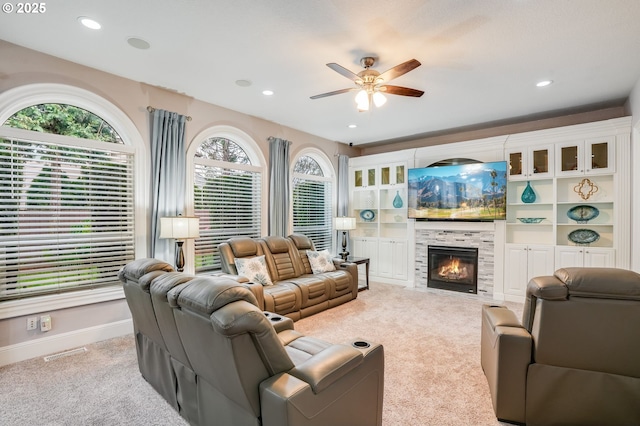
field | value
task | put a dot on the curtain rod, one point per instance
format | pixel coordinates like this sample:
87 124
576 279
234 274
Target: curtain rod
151 109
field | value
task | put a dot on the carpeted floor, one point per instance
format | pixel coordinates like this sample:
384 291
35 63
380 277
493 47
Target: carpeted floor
432 367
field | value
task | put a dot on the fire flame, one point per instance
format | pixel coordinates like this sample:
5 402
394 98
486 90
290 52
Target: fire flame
451 267
453 270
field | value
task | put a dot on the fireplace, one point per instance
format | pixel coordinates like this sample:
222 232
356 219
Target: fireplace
453 268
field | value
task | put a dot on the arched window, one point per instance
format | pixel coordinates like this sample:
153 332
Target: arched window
227 195
312 200
66 202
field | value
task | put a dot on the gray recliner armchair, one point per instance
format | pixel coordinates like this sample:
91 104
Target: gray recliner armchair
575 358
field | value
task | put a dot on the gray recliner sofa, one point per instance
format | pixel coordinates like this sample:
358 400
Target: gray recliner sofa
575 358
207 347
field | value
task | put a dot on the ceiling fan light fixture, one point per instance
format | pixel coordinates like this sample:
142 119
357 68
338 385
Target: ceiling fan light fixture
362 100
379 99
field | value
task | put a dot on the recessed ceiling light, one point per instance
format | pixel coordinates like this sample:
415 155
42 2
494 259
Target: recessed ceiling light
138 43
267 92
352 126
544 83
243 83
89 23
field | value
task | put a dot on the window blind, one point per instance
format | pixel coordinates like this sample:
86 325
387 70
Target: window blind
312 209
228 203
66 215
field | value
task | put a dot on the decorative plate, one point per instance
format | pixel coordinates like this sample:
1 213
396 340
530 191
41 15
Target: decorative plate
584 236
367 215
583 213
531 219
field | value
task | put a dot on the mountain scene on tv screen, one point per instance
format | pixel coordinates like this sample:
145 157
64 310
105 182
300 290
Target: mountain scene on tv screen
469 192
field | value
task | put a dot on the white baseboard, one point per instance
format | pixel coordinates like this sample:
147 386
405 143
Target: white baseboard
61 342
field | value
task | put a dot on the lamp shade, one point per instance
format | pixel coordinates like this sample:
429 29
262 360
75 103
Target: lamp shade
345 223
179 227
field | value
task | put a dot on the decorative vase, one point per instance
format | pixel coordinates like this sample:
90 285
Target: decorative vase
528 196
370 200
397 201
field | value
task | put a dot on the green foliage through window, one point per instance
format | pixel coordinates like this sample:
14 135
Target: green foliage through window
64 120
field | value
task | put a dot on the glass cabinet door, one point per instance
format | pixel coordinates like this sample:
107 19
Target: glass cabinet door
593 156
540 160
363 178
385 175
599 156
358 179
515 164
530 163
392 175
371 177
400 174
570 159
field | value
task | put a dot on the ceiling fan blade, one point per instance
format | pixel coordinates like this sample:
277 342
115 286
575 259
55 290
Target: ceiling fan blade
399 70
345 72
336 92
402 91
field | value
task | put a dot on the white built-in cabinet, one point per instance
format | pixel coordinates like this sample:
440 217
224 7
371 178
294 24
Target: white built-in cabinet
586 157
570 168
528 261
567 257
530 162
392 260
554 162
378 201
366 247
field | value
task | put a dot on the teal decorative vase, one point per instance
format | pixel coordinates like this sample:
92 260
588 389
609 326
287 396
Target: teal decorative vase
397 201
528 196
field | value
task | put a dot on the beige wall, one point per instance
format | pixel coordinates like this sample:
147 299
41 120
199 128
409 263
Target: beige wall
20 66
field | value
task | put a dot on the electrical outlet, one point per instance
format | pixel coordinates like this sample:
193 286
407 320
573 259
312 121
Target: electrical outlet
45 323
32 323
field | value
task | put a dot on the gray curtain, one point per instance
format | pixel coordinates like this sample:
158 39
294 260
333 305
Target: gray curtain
343 196
278 186
343 185
168 177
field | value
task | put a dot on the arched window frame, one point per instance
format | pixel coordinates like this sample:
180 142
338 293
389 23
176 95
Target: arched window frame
250 147
16 99
329 176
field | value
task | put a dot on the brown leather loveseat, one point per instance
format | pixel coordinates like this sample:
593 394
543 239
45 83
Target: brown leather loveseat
206 346
575 358
296 291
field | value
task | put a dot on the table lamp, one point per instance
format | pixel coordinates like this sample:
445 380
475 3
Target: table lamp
345 224
180 228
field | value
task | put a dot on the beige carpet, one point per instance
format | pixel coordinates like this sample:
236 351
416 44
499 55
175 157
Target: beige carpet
432 367
432 352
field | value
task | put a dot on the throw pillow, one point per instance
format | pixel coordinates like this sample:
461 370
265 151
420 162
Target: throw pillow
320 261
255 269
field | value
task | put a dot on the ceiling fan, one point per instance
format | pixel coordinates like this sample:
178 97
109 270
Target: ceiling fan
371 85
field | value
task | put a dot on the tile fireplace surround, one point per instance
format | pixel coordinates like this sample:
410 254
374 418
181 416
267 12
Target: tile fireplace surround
485 236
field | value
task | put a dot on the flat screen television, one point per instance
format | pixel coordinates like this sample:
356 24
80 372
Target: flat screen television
465 192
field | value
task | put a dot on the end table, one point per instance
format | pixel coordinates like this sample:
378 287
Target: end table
361 261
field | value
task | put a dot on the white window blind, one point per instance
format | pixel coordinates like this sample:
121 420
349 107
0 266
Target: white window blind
66 214
312 209
227 199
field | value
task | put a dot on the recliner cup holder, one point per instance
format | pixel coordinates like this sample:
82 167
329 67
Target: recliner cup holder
272 316
361 344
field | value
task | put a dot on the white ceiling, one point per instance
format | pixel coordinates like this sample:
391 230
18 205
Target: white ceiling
480 58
